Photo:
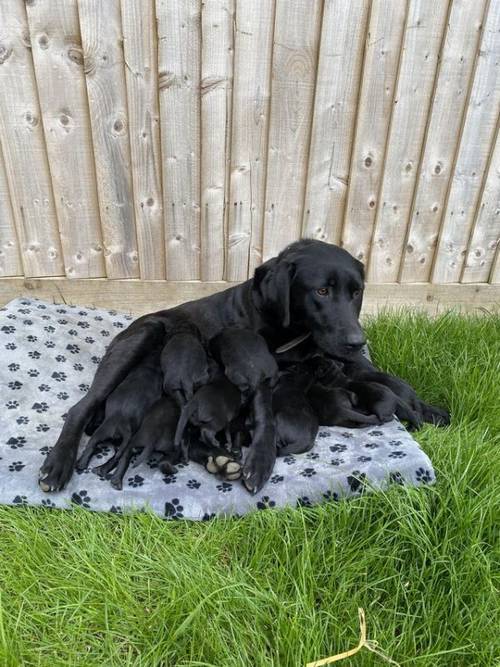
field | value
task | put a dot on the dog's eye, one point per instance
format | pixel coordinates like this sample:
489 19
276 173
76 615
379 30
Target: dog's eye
323 291
356 293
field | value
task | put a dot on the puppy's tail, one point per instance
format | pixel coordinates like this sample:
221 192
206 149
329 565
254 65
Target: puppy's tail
186 413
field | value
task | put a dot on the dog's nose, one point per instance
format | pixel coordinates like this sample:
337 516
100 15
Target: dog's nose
355 341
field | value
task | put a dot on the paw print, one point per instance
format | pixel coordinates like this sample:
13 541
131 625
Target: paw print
81 498
33 373
356 481
375 434
41 306
16 466
11 346
225 487
45 450
83 387
395 443
10 316
173 509
170 479
397 455
423 475
45 317
346 434
289 460
304 502
72 332
12 405
82 313
78 367
20 500
16 442
338 447
324 434
95 360
118 325
61 358
313 456
73 349
27 323
308 472
276 479
48 503
15 385
49 344
13 367
102 452
40 407
34 354
104 333
193 484
265 503
62 396
42 428
208 517
43 387
83 325
330 495
135 481
337 462
90 340
59 376
49 328
22 420
116 509
31 338
61 311
62 321
364 459
98 318
8 329
371 445
396 478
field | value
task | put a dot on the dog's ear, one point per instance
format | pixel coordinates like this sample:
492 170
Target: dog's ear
271 286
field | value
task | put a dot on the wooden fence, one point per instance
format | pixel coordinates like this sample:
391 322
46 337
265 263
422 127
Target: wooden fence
182 140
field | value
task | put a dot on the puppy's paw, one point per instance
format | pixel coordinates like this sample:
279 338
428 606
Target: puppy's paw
224 467
434 415
258 467
56 470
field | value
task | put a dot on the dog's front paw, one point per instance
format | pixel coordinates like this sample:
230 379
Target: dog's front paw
258 467
224 467
57 469
434 415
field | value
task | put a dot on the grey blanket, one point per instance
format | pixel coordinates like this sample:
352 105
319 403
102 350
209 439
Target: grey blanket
49 354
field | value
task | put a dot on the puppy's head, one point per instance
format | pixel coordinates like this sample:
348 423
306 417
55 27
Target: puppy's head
316 287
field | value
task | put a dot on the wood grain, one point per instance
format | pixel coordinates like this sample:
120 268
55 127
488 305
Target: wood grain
10 258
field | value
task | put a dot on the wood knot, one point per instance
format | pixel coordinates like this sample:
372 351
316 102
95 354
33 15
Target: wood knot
5 53
89 65
211 83
118 126
31 119
43 42
75 54
166 80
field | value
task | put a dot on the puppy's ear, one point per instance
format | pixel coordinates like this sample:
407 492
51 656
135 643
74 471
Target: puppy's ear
271 287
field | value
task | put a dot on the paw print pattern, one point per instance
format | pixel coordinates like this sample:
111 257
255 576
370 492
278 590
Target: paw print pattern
63 396
423 475
45 450
48 503
78 367
397 454
356 481
193 484
11 346
116 509
323 434
60 358
135 481
304 501
308 472
364 459
173 509
83 387
22 420
42 428
59 376
33 373
276 479
337 462
330 495
34 354
338 448
81 498
313 456
375 433
73 349
265 503
15 385
224 487
170 479
289 460
40 407
49 344
16 442
43 387
396 478
16 466
20 500
371 445
12 405
8 329
13 367
31 338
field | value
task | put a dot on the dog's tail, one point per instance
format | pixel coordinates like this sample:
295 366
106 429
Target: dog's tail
186 413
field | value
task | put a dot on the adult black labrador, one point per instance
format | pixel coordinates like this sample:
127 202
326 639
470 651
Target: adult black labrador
312 290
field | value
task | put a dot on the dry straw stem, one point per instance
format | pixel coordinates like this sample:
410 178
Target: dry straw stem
363 642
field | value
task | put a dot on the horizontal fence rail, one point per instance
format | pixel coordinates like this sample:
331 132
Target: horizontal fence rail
180 140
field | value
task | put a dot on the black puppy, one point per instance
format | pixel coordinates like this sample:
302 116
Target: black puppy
296 422
155 434
376 398
336 406
245 358
211 409
184 362
127 405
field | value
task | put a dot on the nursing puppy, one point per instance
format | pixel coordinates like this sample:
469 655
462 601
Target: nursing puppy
376 398
337 406
155 434
296 422
211 410
184 361
126 406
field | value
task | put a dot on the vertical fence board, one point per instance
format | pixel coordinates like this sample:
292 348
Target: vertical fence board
251 94
58 60
10 259
295 51
216 86
179 54
104 69
340 61
477 142
419 58
24 148
450 97
141 75
486 233
495 273
380 73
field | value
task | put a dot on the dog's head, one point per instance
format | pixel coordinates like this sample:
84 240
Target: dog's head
317 287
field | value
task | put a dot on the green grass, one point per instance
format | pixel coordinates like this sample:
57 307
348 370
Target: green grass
280 588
